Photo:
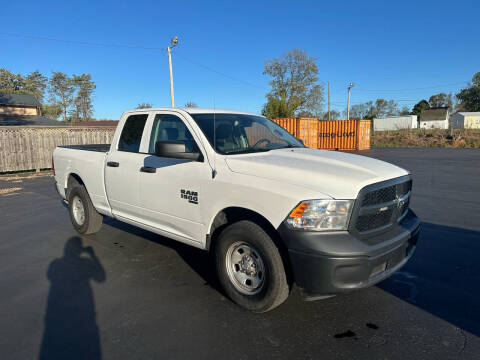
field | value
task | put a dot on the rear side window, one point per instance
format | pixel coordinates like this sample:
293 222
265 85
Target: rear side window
132 133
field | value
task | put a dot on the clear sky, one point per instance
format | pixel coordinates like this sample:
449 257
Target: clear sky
401 50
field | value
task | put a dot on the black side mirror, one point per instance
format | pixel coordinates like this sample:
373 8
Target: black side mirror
177 150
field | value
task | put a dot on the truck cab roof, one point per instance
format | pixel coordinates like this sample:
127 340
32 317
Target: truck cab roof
191 110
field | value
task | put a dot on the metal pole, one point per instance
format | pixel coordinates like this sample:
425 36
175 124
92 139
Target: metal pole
348 104
172 99
329 101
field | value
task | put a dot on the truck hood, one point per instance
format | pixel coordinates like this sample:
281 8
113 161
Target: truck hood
336 174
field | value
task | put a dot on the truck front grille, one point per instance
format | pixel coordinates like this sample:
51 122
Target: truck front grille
381 205
379 196
373 221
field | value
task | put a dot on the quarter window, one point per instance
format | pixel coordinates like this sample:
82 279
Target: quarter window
132 133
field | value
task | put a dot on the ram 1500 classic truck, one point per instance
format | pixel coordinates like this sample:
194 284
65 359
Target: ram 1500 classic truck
272 211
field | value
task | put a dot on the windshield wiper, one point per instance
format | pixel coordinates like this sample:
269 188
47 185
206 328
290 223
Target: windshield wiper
246 151
289 146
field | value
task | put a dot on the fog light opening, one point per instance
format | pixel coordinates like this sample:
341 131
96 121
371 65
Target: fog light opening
378 269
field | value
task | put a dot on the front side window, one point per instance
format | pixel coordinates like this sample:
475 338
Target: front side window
167 127
239 133
132 133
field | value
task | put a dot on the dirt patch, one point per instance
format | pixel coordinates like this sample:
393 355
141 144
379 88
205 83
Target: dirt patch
9 191
20 177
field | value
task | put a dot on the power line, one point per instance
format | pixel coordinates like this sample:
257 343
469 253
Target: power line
411 89
34 37
219 72
131 46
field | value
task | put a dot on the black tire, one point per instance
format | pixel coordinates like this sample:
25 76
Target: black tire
275 289
92 219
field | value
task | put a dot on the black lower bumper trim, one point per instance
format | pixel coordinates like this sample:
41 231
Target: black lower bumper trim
320 272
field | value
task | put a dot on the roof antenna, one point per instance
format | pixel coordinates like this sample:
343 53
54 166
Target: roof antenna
214 171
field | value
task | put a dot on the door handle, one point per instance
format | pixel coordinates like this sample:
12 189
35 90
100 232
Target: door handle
113 164
148 169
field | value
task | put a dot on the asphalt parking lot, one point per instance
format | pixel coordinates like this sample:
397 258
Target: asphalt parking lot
125 293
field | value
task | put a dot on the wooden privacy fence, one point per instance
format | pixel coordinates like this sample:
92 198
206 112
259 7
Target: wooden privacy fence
31 148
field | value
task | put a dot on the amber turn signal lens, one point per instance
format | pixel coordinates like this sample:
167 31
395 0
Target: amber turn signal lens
299 210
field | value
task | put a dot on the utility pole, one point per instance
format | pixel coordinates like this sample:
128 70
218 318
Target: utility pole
329 101
348 101
174 42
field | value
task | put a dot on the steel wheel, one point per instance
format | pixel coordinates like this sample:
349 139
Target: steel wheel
245 268
78 210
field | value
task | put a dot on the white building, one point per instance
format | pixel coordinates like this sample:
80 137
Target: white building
434 118
466 120
395 123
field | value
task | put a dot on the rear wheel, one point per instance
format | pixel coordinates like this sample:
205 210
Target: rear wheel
85 219
250 268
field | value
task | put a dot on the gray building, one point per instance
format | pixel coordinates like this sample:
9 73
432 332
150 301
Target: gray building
23 110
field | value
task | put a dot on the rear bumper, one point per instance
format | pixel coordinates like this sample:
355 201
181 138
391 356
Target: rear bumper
336 262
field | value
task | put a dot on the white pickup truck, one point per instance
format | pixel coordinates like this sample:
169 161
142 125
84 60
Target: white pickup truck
273 212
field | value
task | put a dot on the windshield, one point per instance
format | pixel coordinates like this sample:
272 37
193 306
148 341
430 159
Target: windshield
238 133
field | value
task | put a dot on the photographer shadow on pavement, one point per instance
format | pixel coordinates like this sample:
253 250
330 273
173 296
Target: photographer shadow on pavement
71 330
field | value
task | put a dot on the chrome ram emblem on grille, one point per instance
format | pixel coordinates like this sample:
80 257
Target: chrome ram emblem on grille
400 201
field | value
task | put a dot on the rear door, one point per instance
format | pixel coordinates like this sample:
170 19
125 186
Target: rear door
123 168
171 194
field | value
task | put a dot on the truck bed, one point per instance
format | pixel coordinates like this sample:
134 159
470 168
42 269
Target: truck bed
90 147
87 162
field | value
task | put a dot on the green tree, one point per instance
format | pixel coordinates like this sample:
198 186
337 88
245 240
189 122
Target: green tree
191 104
35 83
305 114
405 110
440 100
10 82
52 111
276 108
82 102
334 115
294 85
61 91
385 108
360 111
421 105
144 105
469 98
369 110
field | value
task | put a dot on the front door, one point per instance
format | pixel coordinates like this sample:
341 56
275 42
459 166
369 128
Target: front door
171 193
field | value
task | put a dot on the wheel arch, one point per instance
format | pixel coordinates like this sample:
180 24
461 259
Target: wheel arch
72 178
232 214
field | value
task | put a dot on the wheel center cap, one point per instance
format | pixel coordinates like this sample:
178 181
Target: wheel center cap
248 265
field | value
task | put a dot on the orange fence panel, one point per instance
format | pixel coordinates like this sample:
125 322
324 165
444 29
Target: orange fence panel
337 134
307 129
364 129
330 135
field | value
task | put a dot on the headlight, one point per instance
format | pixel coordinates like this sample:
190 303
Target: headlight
321 215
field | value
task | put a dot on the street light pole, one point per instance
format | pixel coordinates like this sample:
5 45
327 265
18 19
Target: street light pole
348 101
174 42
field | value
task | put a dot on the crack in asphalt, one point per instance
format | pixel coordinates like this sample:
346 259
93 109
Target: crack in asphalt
464 345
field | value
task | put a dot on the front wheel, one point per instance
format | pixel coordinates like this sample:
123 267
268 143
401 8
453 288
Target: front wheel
250 268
